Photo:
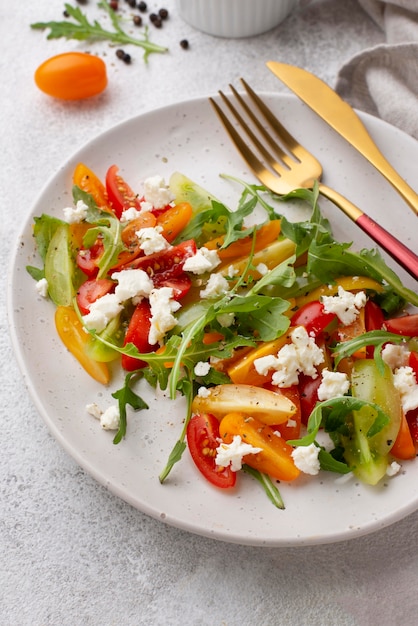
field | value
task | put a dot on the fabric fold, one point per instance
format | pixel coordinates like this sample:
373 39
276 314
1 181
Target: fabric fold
383 80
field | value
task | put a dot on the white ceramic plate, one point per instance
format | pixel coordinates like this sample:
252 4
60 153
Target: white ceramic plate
187 137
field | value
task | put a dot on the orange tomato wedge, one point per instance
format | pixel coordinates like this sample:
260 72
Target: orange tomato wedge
75 339
173 220
275 458
87 180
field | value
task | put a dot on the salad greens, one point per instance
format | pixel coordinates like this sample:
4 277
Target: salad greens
258 309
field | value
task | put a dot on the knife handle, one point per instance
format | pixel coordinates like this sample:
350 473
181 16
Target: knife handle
396 249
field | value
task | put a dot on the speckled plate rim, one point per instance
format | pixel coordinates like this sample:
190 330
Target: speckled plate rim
187 137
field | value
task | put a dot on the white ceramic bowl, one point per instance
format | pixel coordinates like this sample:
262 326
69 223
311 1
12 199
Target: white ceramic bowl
235 18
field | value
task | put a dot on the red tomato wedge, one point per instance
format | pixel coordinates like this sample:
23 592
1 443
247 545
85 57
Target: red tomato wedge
91 290
313 317
88 258
137 333
203 438
406 325
120 195
168 262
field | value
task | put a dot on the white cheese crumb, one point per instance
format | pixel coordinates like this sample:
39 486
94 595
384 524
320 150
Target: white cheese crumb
132 284
301 356
129 214
202 368
393 469
94 410
406 383
145 206
151 240
216 286
232 453
42 287
203 392
232 271
77 214
157 192
101 312
203 261
162 308
110 419
345 305
262 269
333 385
395 355
306 459
291 423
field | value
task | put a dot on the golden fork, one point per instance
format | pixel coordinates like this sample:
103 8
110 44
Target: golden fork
295 167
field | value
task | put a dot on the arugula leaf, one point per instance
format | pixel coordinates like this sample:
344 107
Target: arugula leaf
81 29
371 338
269 487
126 396
333 414
332 259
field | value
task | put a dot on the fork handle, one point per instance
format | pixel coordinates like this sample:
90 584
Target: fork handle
397 250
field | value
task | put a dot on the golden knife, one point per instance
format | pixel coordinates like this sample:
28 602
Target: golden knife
342 118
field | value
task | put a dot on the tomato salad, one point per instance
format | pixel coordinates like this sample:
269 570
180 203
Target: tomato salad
295 353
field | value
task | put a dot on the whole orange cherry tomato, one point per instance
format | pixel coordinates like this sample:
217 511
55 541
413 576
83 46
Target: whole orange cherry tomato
72 76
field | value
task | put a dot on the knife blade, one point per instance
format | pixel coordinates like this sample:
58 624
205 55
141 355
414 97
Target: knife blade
343 119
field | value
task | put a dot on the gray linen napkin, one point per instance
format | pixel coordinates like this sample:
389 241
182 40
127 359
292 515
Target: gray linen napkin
383 80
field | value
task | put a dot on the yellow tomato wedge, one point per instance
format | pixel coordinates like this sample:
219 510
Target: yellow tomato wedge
244 372
349 283
269 407
271 256
76 340
275 458
264 236
174 220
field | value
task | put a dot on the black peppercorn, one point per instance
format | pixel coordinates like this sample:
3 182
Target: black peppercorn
142 6
163 13
114 5
184 44
123 56
137 20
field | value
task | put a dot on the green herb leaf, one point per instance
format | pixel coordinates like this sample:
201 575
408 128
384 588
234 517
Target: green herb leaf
371 338
80 29
269 487
126 396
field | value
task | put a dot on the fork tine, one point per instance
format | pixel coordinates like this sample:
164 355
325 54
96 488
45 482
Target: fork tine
274 124
291 144
276 165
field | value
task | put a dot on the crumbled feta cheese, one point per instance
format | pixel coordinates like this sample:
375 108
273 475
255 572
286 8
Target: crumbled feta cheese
233 453
232 271
203 392
345 305
202 368
74 215
302 355
333 385
94 410
101 312
203 261
42 287
406 383
226 319
306 459
110 419
151 240
129 214
145 206
291 423
216 286
393 469
395 355
162 308
132 284
157 192
262 269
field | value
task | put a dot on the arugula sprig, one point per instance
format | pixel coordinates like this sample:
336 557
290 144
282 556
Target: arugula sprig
83 30
126 396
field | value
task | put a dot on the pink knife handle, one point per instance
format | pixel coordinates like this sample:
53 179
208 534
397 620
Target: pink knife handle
397 250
